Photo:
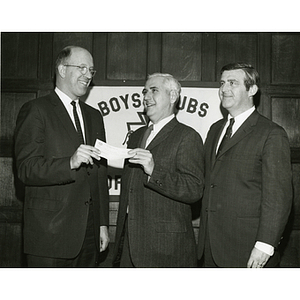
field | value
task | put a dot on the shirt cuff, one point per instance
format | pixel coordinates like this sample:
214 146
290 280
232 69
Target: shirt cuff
266 248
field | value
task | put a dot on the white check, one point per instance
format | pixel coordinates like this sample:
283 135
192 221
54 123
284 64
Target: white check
111 152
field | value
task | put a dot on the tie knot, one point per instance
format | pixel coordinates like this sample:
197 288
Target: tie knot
150 128
73 103
231 121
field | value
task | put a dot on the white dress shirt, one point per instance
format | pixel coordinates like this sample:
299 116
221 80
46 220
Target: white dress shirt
66 100
157 128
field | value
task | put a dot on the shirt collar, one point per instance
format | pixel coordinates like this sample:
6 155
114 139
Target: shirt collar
158 126
240 119
64 97
243 116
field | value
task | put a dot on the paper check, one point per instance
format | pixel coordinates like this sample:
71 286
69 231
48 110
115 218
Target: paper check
111 152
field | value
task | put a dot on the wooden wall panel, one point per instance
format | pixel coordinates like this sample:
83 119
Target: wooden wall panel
11 209
154 52
209 53
285 59
127 56
99 54
181 55
11 245
45 70
10 106
63 39
21 55
9 196
236 47
296 207
286 112
113 214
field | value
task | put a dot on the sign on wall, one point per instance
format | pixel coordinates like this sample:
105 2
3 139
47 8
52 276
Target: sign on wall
122 111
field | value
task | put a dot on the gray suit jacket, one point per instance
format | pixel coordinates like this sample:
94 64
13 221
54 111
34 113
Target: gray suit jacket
159 220
248 190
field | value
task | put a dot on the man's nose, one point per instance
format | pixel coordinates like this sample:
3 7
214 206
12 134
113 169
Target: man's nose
147 95
225 87
88 74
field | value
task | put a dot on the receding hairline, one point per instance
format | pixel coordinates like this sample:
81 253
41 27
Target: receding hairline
66 53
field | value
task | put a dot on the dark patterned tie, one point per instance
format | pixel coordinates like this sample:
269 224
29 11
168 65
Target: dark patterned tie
145 137
227 135
77 122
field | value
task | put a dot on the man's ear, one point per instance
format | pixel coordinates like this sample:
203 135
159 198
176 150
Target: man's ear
62 71
253 90
173 96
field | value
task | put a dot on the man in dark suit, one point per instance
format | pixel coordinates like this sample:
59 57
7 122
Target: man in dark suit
66 197
248 185
154 226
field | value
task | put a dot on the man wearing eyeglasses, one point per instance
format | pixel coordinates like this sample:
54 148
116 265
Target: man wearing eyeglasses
66 197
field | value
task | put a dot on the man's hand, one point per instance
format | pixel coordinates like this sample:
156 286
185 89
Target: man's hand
84 154
144 158
258 259
104 238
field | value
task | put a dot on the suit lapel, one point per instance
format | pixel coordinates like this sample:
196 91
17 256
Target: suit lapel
215 140
64 117
243 131
163 134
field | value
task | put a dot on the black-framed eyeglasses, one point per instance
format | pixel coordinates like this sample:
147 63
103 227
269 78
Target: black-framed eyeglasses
83 69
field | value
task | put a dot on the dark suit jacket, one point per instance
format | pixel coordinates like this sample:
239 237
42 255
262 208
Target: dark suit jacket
55 213
248 190
159 220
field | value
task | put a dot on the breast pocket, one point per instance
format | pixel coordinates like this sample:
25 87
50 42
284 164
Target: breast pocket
246 165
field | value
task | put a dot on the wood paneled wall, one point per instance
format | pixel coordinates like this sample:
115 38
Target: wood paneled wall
195 58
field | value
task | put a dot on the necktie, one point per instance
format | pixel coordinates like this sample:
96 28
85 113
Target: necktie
227 135
77 123
145 137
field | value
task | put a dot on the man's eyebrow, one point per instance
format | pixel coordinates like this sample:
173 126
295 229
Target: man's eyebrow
231 79
150 88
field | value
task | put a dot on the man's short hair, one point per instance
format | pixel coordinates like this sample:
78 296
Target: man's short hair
251 75
171 83
63 56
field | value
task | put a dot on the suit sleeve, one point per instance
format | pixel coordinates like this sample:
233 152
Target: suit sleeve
184 180
33 167
276 187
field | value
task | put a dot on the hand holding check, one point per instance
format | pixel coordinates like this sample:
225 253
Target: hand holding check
84 154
